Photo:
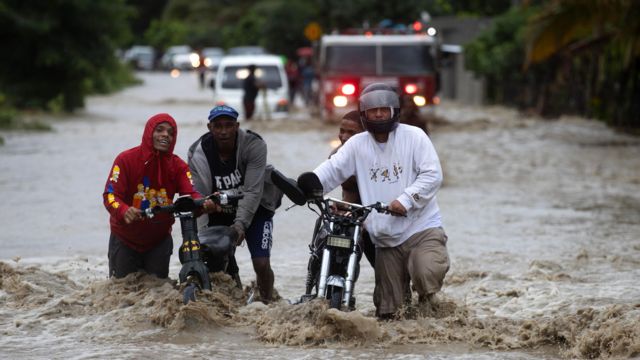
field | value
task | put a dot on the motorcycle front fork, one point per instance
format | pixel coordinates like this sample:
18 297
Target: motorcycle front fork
324 271
192 265
351 267
349 280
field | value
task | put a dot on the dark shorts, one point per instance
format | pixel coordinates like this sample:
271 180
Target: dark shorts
259 235
123 260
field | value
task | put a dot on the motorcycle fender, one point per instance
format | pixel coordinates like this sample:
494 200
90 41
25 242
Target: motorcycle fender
335 280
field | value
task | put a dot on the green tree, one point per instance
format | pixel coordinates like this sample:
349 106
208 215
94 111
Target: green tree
275 24
337 14
164 33
565 56
284 28
498 56
208 20
145 11
58 51
248 29
597 47
278 25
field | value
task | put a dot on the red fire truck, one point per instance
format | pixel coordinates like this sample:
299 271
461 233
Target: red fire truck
348 63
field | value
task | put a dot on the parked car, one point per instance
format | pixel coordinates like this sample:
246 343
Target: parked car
212 57
188 61
177 57
272 100
247 50
141 57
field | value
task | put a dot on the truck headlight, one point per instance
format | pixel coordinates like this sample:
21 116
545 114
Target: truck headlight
340 101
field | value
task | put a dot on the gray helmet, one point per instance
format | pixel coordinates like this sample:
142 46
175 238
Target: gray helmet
379 95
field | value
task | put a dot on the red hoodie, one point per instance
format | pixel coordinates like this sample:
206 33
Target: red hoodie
144 177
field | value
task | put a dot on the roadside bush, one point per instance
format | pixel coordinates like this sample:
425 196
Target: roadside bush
60 50
7 118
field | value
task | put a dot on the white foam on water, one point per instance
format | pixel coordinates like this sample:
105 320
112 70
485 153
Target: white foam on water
541 218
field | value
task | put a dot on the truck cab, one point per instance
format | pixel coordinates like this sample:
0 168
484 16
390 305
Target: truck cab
348 63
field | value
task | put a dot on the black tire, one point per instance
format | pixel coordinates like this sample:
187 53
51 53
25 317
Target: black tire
189 293
336 298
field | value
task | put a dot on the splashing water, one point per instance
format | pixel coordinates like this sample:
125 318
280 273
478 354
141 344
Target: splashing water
542 219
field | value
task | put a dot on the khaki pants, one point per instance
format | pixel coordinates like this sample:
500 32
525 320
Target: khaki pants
422 259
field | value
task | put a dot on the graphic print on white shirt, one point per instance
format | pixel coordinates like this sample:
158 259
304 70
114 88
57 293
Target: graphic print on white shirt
382 174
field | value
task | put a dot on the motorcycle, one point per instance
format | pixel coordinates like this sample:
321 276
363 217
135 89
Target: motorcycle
197 257
335 252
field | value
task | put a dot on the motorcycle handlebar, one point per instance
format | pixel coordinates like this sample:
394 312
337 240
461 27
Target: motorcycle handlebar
150 212
225 197
384 208
344 203
187 204
378 206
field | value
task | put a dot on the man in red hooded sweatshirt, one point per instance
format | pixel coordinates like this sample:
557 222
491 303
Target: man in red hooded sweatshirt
142 177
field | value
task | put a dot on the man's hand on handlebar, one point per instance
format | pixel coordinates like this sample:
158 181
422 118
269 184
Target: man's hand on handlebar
132 214
397 209
209 206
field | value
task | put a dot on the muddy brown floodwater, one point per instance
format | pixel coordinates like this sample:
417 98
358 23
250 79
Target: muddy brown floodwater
543 219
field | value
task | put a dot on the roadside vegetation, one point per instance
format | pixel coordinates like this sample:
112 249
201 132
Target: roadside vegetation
564 57
549 57
56 53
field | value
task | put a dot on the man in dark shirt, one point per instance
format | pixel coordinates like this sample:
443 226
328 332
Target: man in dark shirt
250 87
225 158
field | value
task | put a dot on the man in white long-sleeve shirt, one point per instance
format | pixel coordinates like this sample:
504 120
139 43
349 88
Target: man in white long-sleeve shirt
395 164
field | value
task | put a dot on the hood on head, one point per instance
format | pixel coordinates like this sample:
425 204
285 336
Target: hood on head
147 137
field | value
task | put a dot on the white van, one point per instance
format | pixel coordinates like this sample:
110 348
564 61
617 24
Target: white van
272 102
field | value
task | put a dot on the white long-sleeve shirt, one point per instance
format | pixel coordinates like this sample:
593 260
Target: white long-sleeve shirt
405 168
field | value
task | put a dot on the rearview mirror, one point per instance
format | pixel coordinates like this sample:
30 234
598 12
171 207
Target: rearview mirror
289 187
310 185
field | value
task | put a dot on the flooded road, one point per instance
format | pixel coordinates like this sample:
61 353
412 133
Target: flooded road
543 219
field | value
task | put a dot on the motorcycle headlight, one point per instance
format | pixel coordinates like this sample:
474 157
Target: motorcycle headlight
339 241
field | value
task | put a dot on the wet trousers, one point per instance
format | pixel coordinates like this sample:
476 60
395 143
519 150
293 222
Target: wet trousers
249 108
123 260
368 248
422 259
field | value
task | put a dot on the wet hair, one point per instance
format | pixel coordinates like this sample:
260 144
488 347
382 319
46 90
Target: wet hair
352 115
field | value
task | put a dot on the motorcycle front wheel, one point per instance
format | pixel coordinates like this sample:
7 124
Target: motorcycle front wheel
189 293
313 272
336 298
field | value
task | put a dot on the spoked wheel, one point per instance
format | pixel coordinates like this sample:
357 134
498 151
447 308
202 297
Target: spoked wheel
189 293
336 297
